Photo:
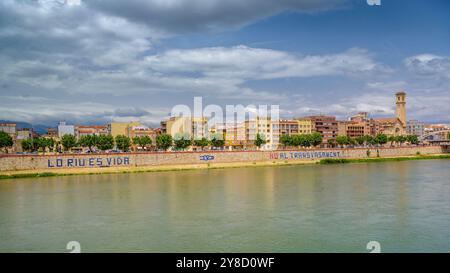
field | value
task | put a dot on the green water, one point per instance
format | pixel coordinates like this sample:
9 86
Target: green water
334 208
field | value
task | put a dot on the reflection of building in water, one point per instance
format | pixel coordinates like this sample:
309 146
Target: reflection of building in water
401 188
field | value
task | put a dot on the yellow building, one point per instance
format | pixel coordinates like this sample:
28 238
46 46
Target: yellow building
233 134
121 128
305 125
197 128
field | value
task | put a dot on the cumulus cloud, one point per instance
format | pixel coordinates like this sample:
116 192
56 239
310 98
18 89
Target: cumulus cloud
429 65
180 16
243 62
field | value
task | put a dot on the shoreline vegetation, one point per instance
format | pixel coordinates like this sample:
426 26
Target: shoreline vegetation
118 170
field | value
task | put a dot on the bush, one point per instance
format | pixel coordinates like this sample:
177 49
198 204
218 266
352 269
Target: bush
334 161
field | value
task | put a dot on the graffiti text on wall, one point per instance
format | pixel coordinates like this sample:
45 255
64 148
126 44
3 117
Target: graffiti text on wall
304 155
88 162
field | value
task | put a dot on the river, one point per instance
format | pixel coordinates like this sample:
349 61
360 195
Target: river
405 206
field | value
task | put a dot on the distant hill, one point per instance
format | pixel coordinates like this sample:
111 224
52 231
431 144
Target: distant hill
39 128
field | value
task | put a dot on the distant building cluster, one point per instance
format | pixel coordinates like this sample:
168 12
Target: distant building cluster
241 135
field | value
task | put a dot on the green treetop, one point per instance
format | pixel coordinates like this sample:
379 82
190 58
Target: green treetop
182 141
164 141
123 143
142 141
316 139
203 142
89 141
105 142
5 141
286 140
217 140
260 140
68 142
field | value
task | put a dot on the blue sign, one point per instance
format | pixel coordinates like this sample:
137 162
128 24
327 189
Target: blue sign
206 157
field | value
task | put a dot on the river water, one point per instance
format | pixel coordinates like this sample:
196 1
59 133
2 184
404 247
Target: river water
405 206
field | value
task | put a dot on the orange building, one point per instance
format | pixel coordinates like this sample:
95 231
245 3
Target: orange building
83 130
327 126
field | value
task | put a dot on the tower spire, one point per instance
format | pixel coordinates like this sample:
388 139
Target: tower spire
401 107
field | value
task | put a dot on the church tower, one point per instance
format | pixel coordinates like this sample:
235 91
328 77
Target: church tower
401 107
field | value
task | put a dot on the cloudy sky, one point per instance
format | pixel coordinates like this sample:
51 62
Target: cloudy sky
93 61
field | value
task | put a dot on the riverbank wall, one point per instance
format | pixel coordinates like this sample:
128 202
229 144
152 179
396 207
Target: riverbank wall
128 160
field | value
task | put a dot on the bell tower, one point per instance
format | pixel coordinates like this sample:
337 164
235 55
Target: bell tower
401 107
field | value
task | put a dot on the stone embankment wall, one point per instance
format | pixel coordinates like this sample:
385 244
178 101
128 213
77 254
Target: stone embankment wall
68 161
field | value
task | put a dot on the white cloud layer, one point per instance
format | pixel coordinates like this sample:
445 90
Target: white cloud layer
91 59
242 62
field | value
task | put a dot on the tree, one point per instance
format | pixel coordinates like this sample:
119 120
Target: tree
401 139
260 140
342 140
105 142
203 142
27 145
43 143
316 139
448 135
304 140
413 139
352 141
217 140
89 141
392 140
142 141
68 142
182 141
5 141
381 139
164 141
331 142
360 140
370 140
286 140
296 140
51 144
123 142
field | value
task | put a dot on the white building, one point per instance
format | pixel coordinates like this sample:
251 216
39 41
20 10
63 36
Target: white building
415 127
267 128
64 129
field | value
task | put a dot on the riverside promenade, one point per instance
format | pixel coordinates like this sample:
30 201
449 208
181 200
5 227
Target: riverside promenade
104 162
